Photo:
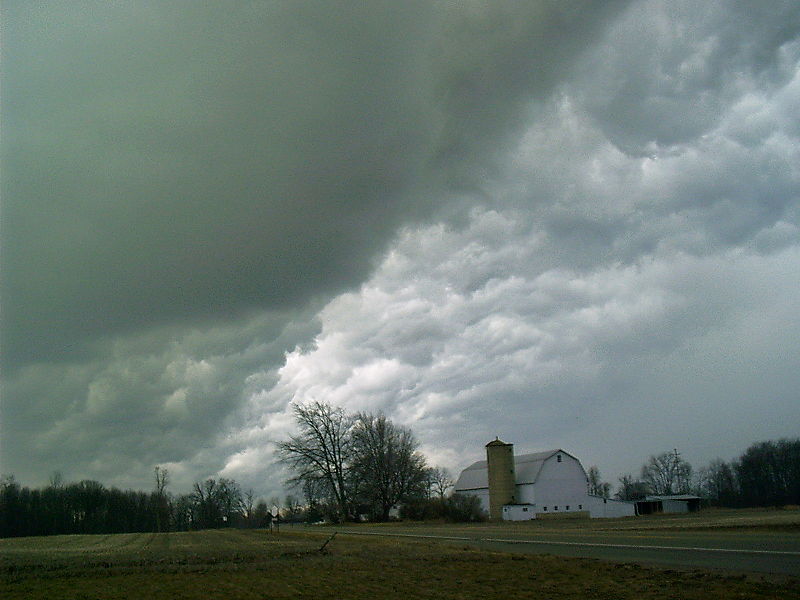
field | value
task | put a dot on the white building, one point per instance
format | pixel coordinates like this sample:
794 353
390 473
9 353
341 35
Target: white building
532 486
676 503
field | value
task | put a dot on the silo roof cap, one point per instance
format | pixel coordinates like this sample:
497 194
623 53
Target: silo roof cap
498 442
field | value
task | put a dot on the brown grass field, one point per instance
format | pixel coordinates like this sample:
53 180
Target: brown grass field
245 564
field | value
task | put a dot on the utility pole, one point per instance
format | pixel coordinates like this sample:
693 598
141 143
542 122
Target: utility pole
673 482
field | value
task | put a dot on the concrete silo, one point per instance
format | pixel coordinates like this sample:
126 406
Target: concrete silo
502 479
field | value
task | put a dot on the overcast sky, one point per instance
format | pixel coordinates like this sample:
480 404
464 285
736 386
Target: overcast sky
566 224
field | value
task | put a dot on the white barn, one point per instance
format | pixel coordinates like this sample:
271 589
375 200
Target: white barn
535 485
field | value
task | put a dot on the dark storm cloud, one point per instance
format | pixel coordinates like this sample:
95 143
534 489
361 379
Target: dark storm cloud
179 171
184 161
163 397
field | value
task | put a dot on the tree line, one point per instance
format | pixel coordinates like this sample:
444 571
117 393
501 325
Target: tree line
766 474
88 507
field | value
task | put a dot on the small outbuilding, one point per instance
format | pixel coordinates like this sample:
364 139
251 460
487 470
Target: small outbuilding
678 503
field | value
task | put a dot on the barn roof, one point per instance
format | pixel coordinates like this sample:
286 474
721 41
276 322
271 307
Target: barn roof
672 497
526 469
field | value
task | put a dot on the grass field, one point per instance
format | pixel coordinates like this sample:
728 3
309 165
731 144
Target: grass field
256 564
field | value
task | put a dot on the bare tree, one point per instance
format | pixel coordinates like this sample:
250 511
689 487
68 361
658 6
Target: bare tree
231 500
631 489
160 500
322 450
260 514
217 502
185 514
206 506
292 507
247 505
440 480
161 479
718 483
56 480
386 462
667 474
313 491
597 487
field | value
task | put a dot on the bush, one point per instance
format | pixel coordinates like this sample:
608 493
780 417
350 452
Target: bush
464 508
422 509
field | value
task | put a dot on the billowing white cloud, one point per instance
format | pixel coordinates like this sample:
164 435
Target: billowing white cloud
614 362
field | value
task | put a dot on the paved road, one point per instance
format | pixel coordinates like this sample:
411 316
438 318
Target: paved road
746 550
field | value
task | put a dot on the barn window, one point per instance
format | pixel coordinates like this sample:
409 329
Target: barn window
580 506
545 509
567 507
524 509
558 458
555 508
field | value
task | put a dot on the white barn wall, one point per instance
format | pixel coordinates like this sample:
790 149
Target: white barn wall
561 483
519 512
608 508
674 506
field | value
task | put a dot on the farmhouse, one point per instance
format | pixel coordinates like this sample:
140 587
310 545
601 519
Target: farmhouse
530 486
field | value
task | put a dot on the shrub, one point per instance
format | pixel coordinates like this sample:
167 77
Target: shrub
464 508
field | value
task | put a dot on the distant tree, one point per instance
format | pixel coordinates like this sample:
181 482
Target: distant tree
184 513
56 480
12 513
322 451
161 476
207 510
260 514
231 502
292 507
316 500
54 518
435 503
631 489
440 481
217 503
666 474
161 505
597 487
718 483
88 505
386 463
769 473
248 501
313 491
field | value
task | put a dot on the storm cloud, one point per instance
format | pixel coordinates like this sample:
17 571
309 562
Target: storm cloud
177 162
568 225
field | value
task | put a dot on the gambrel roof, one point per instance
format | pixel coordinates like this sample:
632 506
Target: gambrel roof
526 470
